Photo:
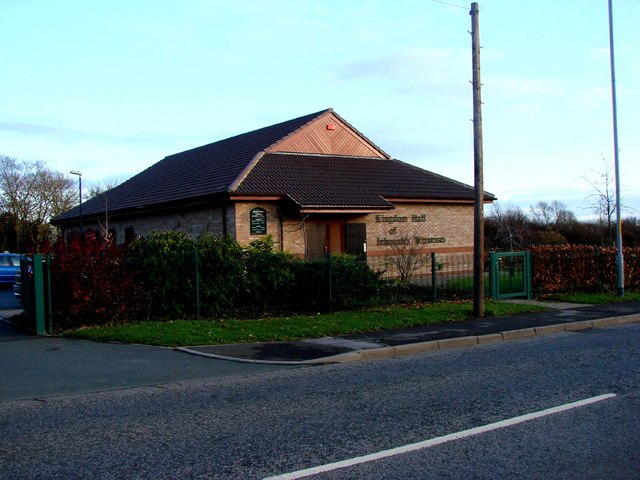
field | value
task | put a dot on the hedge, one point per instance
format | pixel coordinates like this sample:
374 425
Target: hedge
171 275
566 268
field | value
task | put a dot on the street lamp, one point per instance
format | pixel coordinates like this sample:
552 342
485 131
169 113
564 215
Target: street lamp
616 157
79 174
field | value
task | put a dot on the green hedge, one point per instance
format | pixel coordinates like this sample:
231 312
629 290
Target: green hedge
171 275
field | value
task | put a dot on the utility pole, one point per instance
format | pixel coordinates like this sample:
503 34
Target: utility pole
478 209
619 255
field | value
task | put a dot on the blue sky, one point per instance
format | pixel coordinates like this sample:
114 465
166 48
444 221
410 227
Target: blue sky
111 87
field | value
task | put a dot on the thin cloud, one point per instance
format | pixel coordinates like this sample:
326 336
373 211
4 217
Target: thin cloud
37 130
514 87
418 67
32 129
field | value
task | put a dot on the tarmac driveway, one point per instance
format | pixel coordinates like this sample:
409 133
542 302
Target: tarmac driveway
37 367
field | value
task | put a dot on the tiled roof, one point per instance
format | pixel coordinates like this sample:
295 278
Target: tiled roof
311 180
200 172
332 181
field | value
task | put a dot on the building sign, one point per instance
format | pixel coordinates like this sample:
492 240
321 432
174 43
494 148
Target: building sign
405 240
258 221
409 240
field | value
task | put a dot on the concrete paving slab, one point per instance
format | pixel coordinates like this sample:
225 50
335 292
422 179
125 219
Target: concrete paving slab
549 304
413 348
376 353
490 338
574 326
549 329
517 334
457 342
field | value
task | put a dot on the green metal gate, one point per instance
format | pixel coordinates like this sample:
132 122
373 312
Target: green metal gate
510 274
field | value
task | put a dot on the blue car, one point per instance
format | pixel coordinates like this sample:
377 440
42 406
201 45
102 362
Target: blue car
9 267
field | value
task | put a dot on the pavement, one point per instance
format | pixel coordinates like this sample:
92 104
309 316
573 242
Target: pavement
560 317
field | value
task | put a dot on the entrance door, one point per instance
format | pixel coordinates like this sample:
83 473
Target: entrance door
316 241
355 240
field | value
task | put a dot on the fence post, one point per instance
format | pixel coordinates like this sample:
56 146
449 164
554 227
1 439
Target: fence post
49 312
434 277
197 265
493 275
329 275
38 289
527 274
597 256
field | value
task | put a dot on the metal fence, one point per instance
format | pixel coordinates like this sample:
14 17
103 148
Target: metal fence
433 276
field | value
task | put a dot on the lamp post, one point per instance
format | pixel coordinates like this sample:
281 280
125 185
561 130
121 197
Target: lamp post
616 156
79 174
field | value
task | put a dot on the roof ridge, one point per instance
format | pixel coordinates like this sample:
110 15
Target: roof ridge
255 131
328 155
245 171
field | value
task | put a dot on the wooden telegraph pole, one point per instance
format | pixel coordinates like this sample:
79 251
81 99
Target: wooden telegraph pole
478 210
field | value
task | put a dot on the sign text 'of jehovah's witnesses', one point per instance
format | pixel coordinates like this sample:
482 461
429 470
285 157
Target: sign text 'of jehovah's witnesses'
405 240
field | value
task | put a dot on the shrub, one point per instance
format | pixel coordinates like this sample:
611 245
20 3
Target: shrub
269 274
309 288
165 264
354 284
221 274
91 284
579 267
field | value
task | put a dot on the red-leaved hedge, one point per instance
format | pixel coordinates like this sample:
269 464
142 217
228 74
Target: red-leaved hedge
565 268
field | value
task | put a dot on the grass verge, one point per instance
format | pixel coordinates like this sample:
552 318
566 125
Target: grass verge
210 332
594 298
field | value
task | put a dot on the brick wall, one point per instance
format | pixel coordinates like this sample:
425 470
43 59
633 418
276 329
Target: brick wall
418 229
243 227
192 223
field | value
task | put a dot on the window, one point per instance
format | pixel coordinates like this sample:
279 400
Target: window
258 221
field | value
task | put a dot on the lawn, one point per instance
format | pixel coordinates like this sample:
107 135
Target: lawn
209 332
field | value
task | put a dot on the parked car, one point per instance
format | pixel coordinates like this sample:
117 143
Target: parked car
17 287
9 267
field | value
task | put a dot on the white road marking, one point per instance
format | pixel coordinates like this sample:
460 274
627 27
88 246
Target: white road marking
438 440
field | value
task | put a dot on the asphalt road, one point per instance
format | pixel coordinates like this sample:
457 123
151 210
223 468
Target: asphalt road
262 424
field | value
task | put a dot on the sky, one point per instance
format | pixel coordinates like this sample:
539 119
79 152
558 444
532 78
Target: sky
111 87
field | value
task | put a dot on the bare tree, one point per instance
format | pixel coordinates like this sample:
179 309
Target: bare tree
406 253
553 214
33 194
99 188
507 226
603 200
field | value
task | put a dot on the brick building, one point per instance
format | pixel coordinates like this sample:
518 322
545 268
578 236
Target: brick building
314 183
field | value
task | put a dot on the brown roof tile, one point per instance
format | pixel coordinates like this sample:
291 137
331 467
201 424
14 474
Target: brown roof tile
330 181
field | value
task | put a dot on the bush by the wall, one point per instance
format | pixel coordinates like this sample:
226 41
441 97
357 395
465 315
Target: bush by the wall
221 272
95 282
268 274
165 261
309 287
354 284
